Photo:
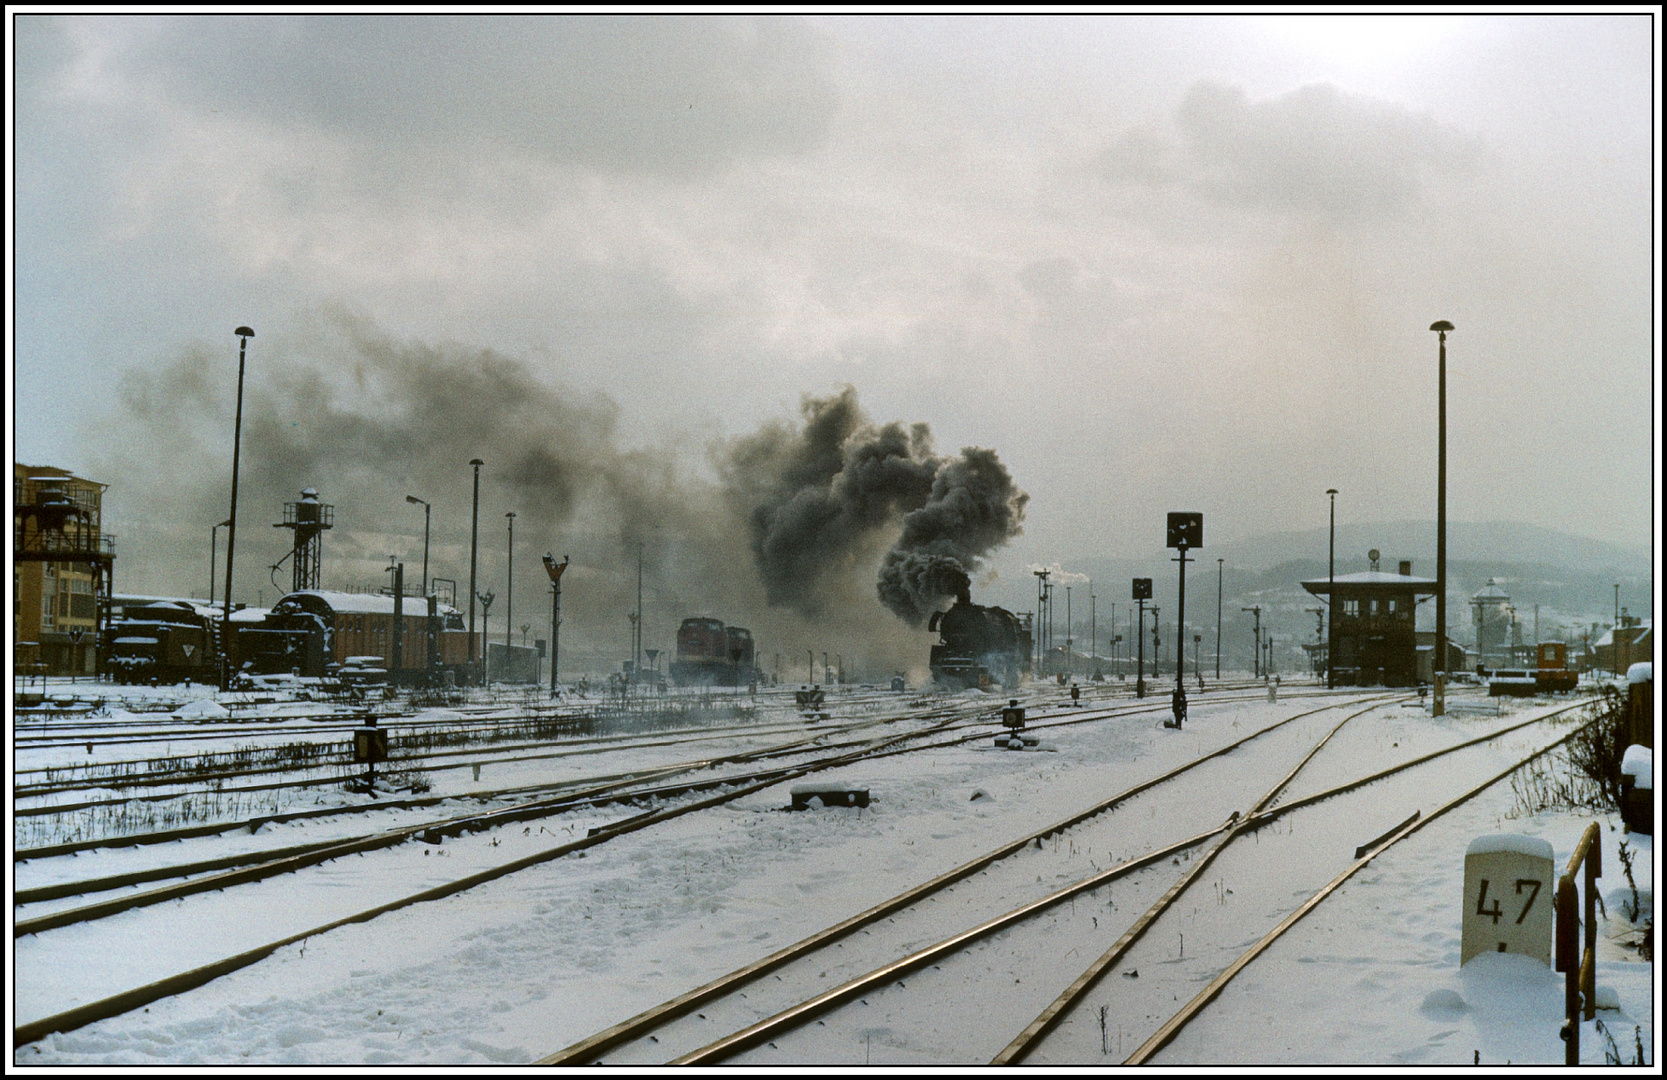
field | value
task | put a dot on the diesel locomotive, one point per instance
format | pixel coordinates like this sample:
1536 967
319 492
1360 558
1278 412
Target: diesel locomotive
712 654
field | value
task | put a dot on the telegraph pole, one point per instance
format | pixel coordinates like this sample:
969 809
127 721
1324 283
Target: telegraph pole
474 548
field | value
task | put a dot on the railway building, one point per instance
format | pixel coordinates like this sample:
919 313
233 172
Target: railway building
1373 639
1630 643
62 570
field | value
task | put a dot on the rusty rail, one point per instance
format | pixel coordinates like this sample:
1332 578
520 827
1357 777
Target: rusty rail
1578 965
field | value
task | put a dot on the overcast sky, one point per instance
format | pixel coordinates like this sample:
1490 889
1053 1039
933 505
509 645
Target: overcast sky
1155 263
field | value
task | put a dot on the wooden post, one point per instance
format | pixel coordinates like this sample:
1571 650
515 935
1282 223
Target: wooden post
1569 964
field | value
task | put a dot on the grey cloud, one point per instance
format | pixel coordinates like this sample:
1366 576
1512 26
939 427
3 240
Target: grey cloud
655 94
1315 152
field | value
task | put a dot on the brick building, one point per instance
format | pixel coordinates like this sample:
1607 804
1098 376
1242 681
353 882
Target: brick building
62 570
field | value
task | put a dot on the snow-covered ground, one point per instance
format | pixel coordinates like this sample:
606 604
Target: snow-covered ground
518 968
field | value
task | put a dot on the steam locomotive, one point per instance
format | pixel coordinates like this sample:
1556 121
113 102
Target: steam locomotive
979 646
712 654
170 641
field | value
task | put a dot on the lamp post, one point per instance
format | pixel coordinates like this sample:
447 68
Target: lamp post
1438 706
1331 583
243 335
1615 634
636 624
212 559
413 500
509 588
1093 631
1070 656
474 549
1219 563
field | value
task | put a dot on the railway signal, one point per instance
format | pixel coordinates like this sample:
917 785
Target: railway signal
1186 530
370 745
1142 592
554 569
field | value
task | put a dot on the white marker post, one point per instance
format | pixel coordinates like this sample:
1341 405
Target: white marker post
1508 897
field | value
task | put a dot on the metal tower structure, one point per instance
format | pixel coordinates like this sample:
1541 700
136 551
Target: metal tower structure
309 518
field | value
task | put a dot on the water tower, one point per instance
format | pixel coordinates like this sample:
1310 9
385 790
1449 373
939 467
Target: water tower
309 518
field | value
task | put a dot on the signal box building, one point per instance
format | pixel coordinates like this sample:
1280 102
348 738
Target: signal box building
1373 639
62 570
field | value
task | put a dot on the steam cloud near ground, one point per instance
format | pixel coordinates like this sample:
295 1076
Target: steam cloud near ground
784 533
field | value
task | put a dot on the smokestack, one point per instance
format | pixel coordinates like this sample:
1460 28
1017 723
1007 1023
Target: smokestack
1406 567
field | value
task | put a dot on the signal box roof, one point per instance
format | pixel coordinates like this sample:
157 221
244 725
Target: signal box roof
1368 581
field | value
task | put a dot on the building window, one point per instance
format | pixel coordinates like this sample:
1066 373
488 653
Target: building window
1351 607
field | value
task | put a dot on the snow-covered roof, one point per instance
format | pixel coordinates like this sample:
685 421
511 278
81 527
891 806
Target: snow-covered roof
1490 591
1322 586
344 603
1637 633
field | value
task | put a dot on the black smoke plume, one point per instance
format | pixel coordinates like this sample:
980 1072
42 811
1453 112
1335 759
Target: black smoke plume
821 499
816 499
974 507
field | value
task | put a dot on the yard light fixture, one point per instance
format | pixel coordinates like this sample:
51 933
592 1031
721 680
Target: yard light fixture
243 335
1438 699
1331 583
474 549
413 500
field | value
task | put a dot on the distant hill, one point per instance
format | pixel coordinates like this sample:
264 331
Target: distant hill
1566 581
1467 541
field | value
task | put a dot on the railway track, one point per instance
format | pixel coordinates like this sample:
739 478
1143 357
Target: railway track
150 992
891 743
336 766
954 998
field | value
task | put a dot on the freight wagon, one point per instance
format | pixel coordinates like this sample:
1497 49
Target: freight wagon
313 632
